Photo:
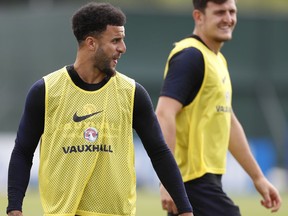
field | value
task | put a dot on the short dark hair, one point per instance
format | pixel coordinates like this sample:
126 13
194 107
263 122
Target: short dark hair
202 4
93 18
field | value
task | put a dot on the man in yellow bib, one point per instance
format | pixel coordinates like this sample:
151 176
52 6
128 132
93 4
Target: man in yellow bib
84 115
197 119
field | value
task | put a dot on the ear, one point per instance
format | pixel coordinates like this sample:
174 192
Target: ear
91 43
197 16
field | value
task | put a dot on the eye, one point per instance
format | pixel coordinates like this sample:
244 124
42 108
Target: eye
116 40
220 12
233 12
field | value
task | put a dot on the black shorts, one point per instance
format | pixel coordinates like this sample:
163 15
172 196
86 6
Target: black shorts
208 198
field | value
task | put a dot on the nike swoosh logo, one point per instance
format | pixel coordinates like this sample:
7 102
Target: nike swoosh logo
77 118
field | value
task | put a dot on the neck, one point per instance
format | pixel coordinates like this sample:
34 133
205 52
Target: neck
214 46
88 73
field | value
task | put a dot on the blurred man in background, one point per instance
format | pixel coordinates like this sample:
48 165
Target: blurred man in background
197 119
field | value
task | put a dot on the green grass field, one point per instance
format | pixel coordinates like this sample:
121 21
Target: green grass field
148 204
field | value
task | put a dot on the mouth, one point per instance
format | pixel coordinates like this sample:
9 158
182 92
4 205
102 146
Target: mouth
115 60
225 28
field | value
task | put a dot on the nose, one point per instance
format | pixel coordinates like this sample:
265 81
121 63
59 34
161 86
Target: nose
122 47
229 17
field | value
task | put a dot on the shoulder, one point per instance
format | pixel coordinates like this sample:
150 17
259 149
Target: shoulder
190 53
142 98
124 78
36 95
140 91
38 86
56 75
187 60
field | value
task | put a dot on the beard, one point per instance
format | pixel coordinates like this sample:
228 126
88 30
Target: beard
103 63
109 72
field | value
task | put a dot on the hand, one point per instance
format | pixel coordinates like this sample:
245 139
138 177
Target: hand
271 198
168 203
15 213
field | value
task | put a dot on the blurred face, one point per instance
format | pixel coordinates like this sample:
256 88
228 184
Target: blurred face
218 21
110 48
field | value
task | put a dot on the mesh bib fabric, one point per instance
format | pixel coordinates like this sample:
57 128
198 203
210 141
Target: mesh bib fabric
87 152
